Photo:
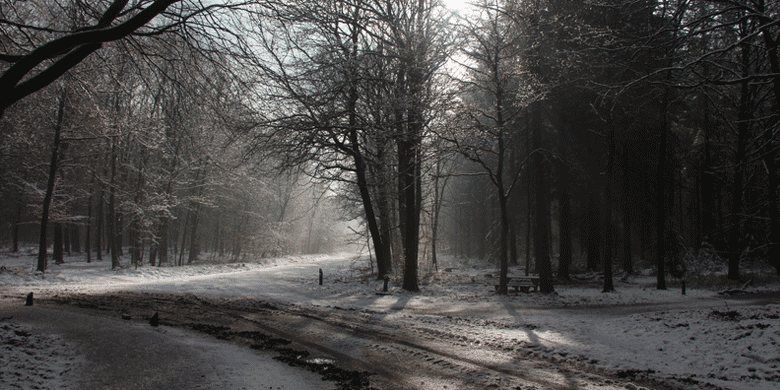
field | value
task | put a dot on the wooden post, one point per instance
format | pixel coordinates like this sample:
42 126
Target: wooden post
320 276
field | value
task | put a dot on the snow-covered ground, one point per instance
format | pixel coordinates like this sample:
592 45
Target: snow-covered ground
697 340
29 359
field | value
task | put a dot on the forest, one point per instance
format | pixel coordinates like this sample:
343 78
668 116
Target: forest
555 136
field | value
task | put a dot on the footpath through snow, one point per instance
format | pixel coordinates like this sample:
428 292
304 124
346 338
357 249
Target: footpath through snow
700 340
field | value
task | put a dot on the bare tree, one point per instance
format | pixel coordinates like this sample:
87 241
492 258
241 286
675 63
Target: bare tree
490 56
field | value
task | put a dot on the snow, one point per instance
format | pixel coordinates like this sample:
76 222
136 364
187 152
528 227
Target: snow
697 340
45 348
32 360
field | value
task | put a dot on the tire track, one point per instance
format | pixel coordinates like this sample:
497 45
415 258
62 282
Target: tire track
410 352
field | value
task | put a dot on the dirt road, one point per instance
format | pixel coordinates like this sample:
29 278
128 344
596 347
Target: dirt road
361 349
53 346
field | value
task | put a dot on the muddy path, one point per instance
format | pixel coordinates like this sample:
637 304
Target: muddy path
363 349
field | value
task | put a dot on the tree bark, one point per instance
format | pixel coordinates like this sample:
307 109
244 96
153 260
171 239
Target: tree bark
661 199
528 195
594 235
541 238
66 241
162 246
57 250
42 245
88 233
75 46
609 234
407 166
564 259
743 132
184 226
112 214
75 239
99 225
770 152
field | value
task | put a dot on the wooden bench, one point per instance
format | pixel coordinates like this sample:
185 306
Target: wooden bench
521 283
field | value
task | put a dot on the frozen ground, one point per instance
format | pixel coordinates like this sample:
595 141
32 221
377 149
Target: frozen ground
45 348
701 340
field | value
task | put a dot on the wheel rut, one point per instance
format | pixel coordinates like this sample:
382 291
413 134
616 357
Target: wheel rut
372 350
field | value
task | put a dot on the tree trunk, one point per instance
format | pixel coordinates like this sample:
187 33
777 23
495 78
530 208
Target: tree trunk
185 226
564 259
112 214
153 254
708 190
162 246
743 132
407 167
773 252
541 237
42 245
609 240
594 234
661 199
136 235
438 198
529 212
514 211
381 248
66 238
99 225
119 237
88 232
628 263
57 251
194 244
75 239
504 244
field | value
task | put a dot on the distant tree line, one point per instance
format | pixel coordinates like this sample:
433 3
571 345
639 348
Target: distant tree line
555 135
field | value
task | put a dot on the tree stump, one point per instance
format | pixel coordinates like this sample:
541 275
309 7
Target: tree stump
29 301
155 320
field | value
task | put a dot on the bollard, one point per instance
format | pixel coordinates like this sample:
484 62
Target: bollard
320 276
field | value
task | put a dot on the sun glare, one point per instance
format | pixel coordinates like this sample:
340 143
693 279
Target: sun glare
456 5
